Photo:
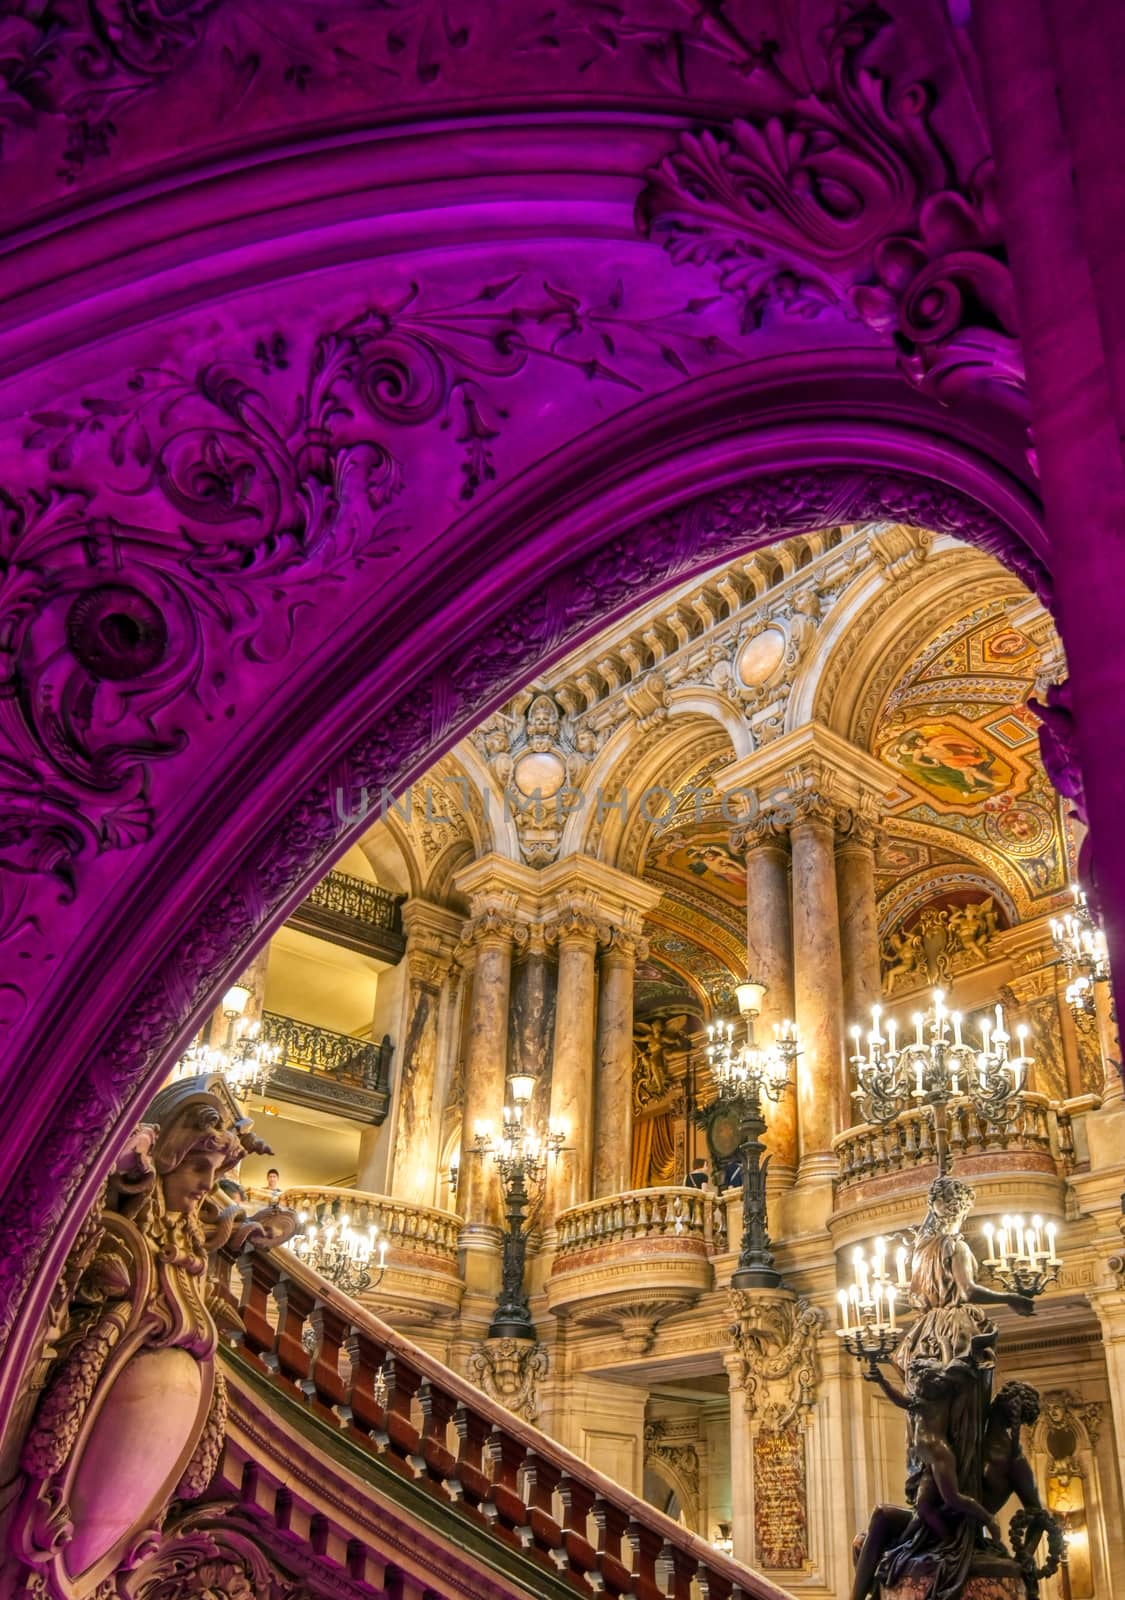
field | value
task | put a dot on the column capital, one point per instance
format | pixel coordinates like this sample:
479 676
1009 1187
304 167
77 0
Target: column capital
576 921
495 925
860 832
810 775
623 945
763 832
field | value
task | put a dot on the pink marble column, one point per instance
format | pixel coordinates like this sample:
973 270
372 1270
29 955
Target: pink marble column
859 923
613 1088
486 1060
817 987
769 949
569 1174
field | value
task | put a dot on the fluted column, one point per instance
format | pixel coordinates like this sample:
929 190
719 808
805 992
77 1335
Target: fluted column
494 935
613 1088
817 985
769 947
859 922
575 931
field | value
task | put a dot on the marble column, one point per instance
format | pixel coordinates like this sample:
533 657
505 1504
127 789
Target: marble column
817 987
741 1462
769 953
613 1090
569 1175
430 944
1110 1045
859 923
494 935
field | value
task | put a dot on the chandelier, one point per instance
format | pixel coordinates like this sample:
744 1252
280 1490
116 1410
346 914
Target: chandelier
520 1155
746 1074
341 1253
747 1069
521 1158
245 1059
1082 949
1018 1258
938 1065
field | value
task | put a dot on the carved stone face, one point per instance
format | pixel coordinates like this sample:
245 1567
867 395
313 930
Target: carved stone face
186 1185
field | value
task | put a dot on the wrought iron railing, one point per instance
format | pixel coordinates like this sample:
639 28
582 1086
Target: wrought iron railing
356 914
869 1151
334 1055
346 896
673 1213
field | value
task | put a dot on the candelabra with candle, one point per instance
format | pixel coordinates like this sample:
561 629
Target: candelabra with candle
933 1071
341 1252
744 1073
1018 1259
244 1058
521 1160
869 1325
1082 949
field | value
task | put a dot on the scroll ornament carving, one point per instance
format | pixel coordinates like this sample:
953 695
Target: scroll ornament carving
942 938
681 1455
509 1370
653 552
1060 1410
496 926
220 1552
775 1345
133 1375
840 203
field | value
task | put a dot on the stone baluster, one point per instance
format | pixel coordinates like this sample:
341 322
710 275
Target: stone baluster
494 935
817 986
576 932
769 947
613 1092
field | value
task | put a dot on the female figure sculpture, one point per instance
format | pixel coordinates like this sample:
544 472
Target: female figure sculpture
947 1360
134 1408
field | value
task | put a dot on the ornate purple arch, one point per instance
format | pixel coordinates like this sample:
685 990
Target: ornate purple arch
327 420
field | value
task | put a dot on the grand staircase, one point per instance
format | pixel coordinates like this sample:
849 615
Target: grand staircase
355 1463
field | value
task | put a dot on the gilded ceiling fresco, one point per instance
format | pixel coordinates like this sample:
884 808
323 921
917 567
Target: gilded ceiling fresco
956 733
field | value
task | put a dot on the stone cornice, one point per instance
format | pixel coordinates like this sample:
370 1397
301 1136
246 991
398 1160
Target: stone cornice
812 771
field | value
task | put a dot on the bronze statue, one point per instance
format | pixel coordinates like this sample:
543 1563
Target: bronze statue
963 1456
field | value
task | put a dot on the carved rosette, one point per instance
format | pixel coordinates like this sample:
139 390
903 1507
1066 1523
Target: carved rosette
509 1371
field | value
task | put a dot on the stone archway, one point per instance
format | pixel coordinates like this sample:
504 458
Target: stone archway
272 560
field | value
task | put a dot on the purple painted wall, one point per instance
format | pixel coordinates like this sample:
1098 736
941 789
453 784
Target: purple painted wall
354 361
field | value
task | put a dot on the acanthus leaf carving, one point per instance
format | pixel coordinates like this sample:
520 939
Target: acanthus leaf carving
844 203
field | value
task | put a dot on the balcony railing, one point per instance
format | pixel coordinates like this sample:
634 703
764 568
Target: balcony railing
1036 1134
485 1473
329 1071
415 1230
358 915
642 1214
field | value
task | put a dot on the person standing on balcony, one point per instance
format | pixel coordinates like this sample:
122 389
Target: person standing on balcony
699 1177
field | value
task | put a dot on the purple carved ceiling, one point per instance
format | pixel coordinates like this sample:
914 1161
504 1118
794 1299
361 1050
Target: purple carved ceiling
353 362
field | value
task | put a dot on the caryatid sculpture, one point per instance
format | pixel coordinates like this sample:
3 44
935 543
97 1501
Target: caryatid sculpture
133 1411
